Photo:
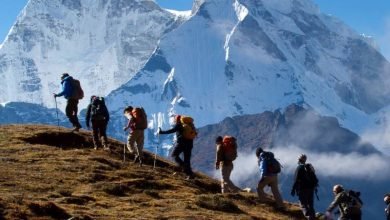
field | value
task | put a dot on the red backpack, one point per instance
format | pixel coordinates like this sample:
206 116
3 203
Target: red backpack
140 118
229 144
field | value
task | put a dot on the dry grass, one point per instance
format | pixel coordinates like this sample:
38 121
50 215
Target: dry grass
54 174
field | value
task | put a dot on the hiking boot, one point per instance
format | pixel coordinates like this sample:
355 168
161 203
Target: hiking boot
190 177
76 129
135 159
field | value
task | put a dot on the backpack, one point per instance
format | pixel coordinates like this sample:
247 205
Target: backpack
273 166
189 131
140 118
229 148
98 109
310 177
77 91
353 203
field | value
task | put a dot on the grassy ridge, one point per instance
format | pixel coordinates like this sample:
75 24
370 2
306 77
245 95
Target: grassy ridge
50 173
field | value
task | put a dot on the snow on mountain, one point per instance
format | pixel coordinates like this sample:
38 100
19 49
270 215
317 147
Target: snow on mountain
101 42
239 57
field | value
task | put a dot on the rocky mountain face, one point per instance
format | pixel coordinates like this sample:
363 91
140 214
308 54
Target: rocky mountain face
102 43
294 126
240 57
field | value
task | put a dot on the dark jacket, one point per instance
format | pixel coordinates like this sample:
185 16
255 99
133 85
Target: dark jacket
178 128
300 182
387 211
88 114
67 88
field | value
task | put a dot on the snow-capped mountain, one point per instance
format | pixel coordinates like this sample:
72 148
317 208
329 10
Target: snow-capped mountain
239 57
102 43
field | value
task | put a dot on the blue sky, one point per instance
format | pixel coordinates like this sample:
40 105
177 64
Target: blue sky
369 17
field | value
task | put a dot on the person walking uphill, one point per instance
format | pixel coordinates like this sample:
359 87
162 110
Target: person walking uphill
305 183
185 134
348 202
269 169
72 92
137 123
387 209
98 114
225 155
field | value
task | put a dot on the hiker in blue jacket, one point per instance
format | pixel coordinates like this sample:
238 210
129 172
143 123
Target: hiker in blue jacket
72 102
268 178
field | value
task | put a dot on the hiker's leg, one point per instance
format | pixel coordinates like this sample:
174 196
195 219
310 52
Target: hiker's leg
230 184
264 181
130 143
177 150
140 144
71 112
102 133
95 134
304 200
275 191
187 159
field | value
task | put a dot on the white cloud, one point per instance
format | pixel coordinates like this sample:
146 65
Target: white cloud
352 165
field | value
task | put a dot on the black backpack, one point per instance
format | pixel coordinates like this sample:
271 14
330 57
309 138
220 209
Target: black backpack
310 177
273 166
98 109
353 204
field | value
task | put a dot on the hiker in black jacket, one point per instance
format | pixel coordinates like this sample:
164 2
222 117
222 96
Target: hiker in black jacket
98 114
387 202
182 145
304 186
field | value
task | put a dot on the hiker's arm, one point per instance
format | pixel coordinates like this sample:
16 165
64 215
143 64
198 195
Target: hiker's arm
170 131
334 204
66 89
295 185
107 114
88 115
263 168
219 156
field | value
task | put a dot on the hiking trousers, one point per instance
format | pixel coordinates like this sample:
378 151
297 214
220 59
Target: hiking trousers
71 112
184 147
272 181
306 200
135 143
99 128
226 184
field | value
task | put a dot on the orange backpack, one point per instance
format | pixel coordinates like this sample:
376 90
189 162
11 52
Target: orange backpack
140 118
189 131
229 148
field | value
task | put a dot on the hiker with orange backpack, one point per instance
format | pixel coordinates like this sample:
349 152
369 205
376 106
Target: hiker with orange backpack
72 92
185 135
269 169
137 123
225 155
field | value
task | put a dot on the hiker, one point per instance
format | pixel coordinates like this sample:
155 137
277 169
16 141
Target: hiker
305 183
225 155
348 202
137 122
269 169
387 209
98 114
185 134
72 92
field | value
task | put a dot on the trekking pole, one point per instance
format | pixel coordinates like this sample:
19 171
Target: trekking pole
155 153
124 151
58 119
316 192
